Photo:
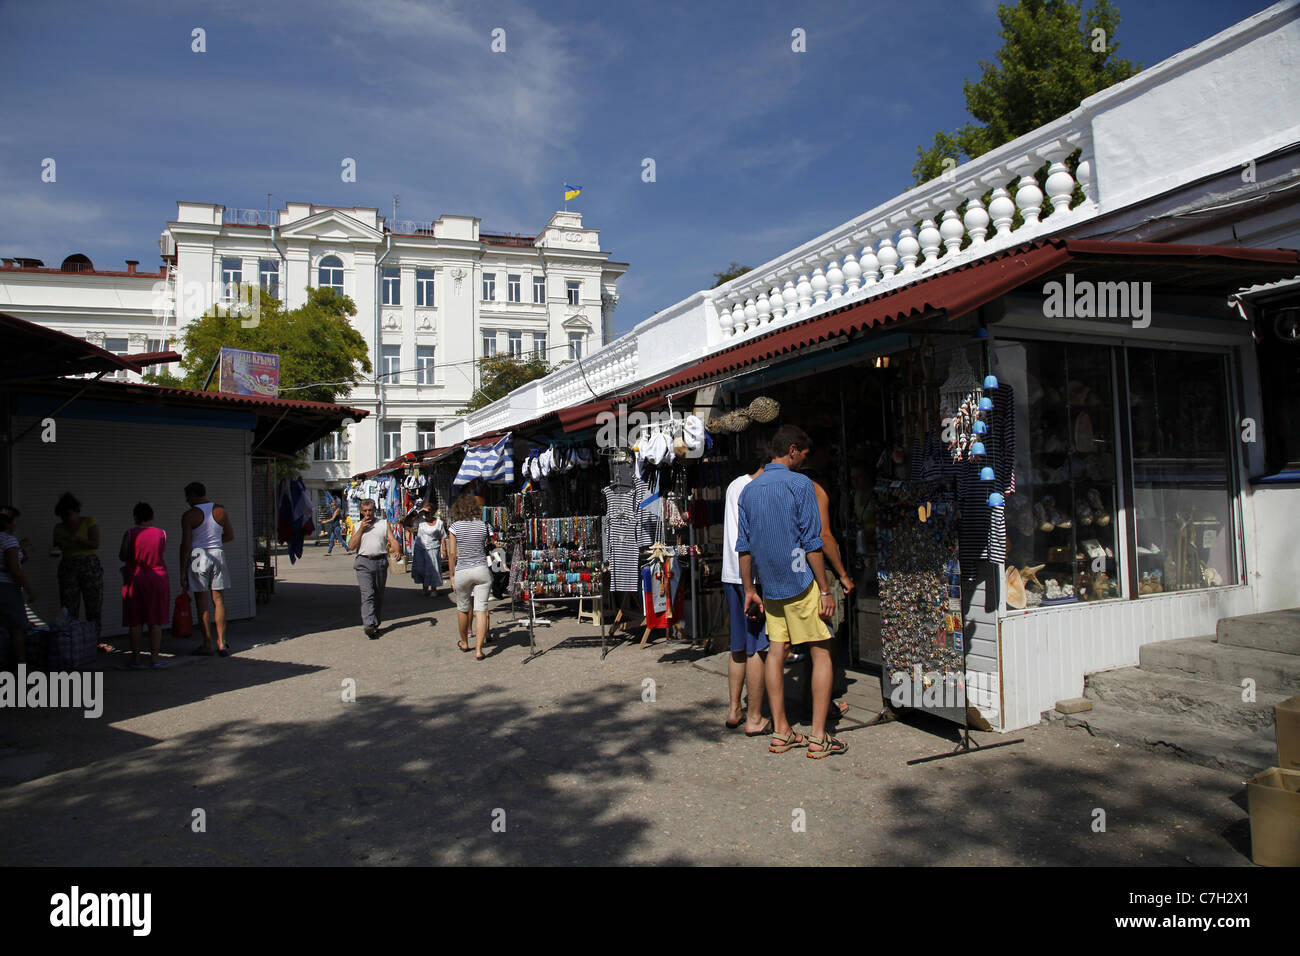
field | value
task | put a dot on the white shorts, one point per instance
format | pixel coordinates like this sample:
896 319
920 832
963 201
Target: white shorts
473 586
207 569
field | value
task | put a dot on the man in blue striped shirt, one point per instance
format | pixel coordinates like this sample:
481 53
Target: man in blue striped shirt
779 534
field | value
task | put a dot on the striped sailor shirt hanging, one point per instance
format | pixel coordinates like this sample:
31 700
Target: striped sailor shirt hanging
493 463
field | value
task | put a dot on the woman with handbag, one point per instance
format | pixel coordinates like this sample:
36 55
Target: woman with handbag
146 586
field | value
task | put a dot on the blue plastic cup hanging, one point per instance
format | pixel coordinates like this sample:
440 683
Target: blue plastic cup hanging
986 473
986 404
990 381
980 333
996 500
977 449
979 428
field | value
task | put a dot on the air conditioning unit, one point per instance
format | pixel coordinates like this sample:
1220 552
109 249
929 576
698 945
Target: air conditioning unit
167 244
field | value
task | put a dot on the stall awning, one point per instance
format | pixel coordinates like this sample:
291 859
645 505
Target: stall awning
1184 269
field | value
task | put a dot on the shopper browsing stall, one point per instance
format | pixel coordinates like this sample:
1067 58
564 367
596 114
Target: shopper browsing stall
780 536
468 570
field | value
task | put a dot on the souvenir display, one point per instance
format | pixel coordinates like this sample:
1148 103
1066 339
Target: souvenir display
918 570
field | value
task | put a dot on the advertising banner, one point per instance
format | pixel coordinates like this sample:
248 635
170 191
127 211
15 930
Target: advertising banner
249 373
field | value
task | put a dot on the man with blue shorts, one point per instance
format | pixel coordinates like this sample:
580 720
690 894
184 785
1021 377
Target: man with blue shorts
748 635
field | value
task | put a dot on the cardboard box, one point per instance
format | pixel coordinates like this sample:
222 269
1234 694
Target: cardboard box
1287 715
1274 797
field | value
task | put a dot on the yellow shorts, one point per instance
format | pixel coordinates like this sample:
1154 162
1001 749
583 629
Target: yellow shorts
796 620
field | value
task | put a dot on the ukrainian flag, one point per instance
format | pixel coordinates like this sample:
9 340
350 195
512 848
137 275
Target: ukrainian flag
571 192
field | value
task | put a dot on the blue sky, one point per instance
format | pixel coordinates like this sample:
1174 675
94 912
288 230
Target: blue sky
757 148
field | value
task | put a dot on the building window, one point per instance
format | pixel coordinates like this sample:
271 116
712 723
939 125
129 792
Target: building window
391 362
424 288
539 289
155 345
232 273
331 274
427 432
424 364
575 345
539 345
268 276
514 288
392 441
1182 470
117 347
489 343
516 344
574 292
333 447
391 286
489 287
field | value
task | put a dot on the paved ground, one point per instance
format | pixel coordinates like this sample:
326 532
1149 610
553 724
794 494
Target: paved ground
436 745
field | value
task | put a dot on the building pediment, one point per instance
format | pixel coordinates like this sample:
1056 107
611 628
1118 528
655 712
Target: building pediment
331 225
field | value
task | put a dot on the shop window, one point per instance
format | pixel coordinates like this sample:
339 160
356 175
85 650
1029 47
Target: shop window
1182 470
1062 536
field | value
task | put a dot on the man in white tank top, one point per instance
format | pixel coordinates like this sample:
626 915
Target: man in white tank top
205 530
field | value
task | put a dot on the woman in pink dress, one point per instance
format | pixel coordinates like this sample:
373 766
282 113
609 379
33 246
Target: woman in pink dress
146 588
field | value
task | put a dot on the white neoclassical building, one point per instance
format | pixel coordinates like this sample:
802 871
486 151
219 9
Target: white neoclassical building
432 298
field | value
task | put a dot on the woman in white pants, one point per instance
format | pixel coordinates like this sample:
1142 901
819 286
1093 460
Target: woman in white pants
467 569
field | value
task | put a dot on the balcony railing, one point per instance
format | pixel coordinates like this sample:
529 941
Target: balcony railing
930 228
231 216
411 227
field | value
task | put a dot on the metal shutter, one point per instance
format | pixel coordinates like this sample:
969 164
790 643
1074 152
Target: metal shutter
110 466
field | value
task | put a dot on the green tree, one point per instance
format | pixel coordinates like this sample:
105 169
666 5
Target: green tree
318 346
499 375
726 275
1053 56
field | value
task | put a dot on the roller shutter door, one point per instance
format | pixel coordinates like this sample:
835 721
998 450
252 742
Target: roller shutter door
111 465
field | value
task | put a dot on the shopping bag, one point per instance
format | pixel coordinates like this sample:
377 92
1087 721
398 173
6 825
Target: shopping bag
72 644
182 622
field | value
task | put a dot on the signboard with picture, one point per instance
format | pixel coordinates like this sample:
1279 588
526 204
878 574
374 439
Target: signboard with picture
249 373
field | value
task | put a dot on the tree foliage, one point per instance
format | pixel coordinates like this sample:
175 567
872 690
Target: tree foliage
729 273
317 344
1053 56
499 375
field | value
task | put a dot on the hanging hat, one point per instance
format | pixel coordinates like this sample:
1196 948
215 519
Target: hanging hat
693 433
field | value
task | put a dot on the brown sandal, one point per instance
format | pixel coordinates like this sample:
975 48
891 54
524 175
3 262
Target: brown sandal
783 742
830 745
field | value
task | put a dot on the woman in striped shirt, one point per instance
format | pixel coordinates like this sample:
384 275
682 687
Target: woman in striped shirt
468 573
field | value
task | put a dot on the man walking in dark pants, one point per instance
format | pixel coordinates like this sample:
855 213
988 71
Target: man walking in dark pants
335 524
780 535
372 541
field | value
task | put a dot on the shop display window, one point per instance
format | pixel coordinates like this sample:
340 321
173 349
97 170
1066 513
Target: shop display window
1061 530
1182 468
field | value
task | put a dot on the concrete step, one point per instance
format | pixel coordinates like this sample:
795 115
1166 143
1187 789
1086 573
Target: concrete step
1206 659
1277 631
1215 705
1181 737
